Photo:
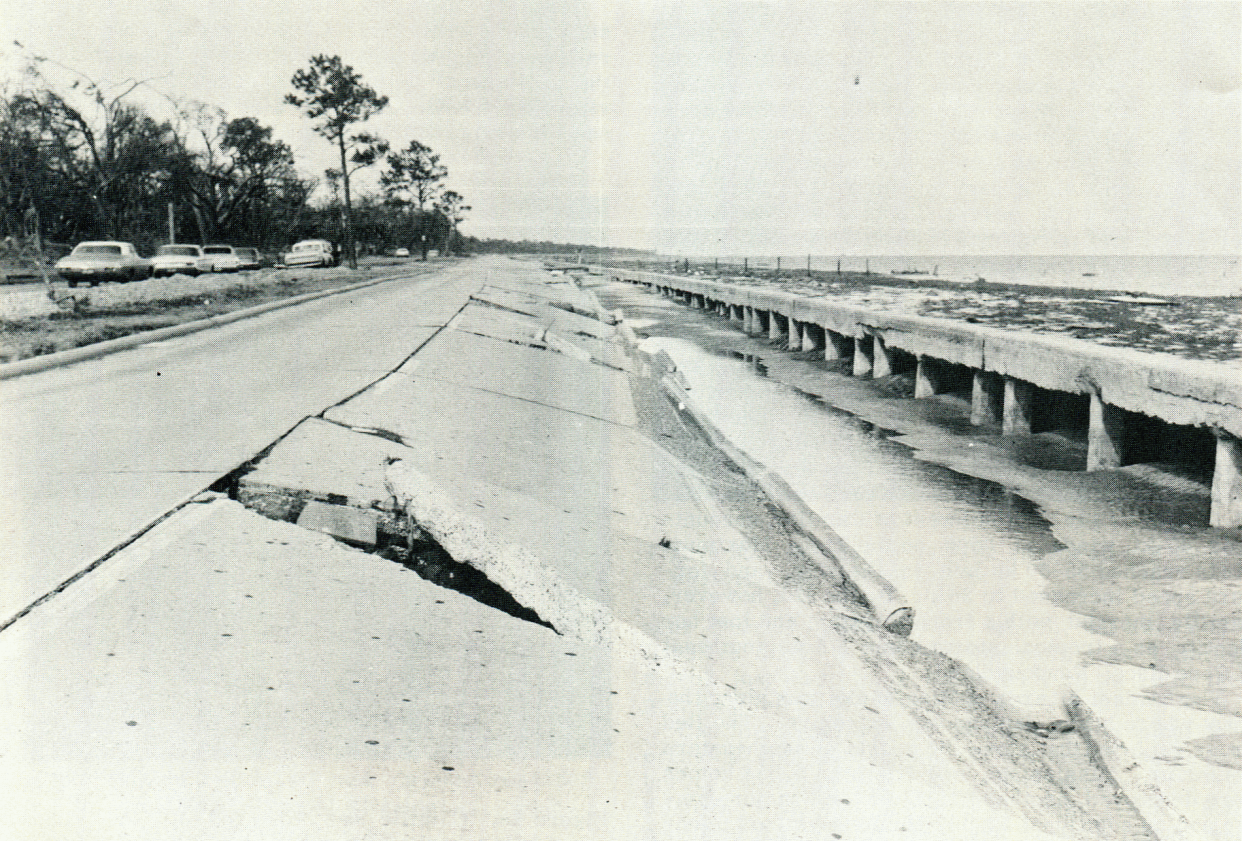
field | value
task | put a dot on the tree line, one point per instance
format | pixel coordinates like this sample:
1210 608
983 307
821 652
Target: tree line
86 161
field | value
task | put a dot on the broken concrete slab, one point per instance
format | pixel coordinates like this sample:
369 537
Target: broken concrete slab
568 296
500 324
526 373
235 677
563 320
351 525
586 471
322 460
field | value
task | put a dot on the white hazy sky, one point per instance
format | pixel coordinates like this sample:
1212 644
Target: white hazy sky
744 127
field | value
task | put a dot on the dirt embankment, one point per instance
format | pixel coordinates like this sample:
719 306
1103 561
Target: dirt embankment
34 322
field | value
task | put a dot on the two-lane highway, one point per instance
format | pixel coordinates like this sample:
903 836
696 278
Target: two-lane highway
93 452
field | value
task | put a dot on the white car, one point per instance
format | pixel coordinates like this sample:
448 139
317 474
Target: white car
177 258
310 252
104 260
219 258
401 252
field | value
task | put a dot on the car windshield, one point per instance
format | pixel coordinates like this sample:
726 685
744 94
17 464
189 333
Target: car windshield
307 246
179 250
111 250
217 249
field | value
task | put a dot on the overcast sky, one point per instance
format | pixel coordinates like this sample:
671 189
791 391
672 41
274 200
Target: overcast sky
754 127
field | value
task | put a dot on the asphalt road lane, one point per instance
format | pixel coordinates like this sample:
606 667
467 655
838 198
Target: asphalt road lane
93 452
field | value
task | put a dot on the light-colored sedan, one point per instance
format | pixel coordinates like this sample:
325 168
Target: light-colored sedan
103 260
219 258
177 258
310 252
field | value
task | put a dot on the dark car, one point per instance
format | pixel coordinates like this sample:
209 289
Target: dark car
248 258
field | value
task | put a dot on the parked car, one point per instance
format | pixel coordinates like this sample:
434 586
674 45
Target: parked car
103 260
248 258
401 252
310 252
177 258
219 258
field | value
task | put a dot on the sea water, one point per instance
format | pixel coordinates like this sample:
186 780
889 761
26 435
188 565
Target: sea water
1155 275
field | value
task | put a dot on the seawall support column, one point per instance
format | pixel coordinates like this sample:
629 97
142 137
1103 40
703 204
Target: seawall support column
881 365
926 378
862 356
797 330
986 394
836 345
737 313
1105 435
1227 482
812 336
1016 415
778 326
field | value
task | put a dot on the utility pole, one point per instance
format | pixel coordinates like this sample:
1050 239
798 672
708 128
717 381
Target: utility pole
172 223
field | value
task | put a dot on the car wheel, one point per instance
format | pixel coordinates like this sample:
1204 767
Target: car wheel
72 284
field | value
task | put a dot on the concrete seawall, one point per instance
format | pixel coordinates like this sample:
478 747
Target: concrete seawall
1134 406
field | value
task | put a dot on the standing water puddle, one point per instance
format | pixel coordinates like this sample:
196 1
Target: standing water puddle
964 551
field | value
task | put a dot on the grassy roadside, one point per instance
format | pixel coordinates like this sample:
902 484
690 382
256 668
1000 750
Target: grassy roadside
88 323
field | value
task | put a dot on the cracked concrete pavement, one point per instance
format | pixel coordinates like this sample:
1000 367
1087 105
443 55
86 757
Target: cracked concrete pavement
233 675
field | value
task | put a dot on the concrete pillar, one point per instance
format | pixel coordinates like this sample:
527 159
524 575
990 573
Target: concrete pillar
796 331
812 336
836 346
926 378
1016 415
1105 435
881 365
737 313
1227 483
776 329
985 395
862 356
